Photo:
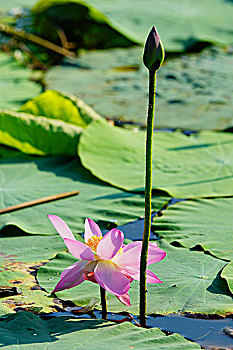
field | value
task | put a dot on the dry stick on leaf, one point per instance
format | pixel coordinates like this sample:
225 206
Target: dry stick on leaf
153 58
19 33
38 201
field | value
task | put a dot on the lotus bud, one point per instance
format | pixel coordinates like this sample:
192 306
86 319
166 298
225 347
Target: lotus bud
154 52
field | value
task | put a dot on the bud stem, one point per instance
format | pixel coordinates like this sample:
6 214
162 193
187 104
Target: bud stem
103 303
148 189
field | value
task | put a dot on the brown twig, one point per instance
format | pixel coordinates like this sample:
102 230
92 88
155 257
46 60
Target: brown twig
38 201
65 43
5 28
37 63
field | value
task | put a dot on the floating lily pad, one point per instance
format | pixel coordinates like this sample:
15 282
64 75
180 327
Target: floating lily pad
21 277
10 4
203 21
38 135
52 127
191 283
36 301
227 273
205 222
83 25
20 257
208 21
26 178
61 106
199 165
30 249
30 332
16 87
193 92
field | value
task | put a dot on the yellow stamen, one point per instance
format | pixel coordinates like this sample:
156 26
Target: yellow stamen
93 242
120 251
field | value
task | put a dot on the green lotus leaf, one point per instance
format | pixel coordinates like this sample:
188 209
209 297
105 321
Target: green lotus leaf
61 106
16 87
208 21
191 283
10 4
20 258
199 165
26 178
227 273
38 135
83 25
49 124
30 332
193 92
205 222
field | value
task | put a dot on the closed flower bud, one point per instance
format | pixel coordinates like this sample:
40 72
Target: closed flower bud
154 52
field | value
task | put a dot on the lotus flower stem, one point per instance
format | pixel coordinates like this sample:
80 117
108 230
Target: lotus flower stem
103 303
148 188
153 58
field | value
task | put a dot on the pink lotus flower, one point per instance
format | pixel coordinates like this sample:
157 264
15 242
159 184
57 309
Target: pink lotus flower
104 260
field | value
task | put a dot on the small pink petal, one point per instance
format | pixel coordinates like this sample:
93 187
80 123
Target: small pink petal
71 277
61 227
124 299
151 277
110 278
132 245
155 254
91 229
131 256
123 270
110 244
64 272
135 274
79 250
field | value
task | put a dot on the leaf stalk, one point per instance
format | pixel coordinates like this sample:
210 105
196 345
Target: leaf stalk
103 303
148 189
